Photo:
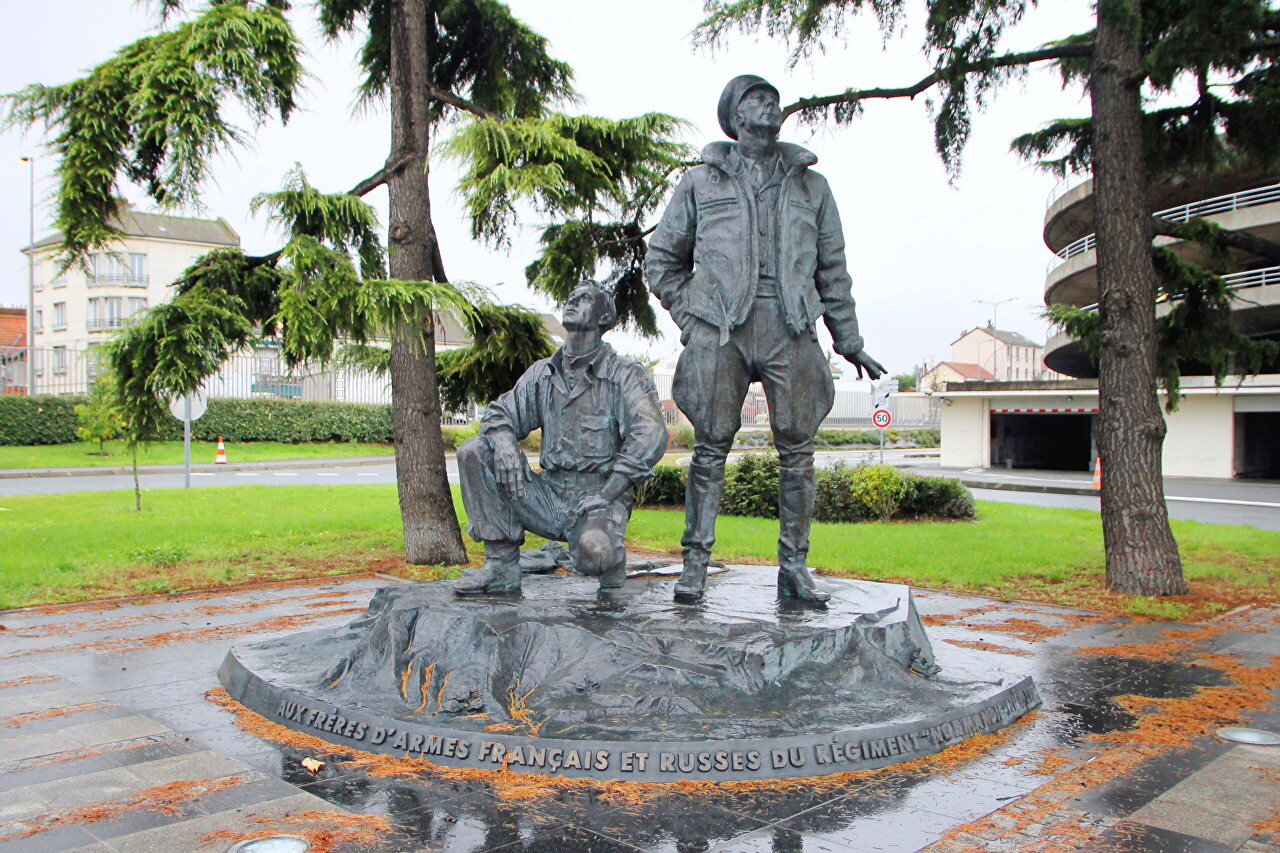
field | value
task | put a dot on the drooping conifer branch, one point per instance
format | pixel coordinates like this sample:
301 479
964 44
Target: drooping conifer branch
1204 231
1064 51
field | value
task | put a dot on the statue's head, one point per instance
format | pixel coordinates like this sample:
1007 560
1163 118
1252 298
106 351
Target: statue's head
752 102
590 305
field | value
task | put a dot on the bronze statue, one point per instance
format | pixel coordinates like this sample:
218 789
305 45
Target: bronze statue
602 432
748 255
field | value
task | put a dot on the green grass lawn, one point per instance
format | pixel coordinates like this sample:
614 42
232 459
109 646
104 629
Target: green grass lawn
92 544
83 453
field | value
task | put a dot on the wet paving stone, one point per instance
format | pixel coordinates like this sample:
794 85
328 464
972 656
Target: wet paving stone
165 719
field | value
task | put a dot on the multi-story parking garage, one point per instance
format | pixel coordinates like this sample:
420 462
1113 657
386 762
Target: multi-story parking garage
1228 431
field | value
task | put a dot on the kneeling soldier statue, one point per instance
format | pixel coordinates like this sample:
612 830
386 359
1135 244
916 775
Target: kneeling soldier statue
602 433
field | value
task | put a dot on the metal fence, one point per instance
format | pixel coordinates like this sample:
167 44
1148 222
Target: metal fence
262 373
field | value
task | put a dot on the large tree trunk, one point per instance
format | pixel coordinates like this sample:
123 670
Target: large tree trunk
1141 555
431 532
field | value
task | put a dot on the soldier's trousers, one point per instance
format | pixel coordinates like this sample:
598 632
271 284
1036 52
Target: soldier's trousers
710 385
549 497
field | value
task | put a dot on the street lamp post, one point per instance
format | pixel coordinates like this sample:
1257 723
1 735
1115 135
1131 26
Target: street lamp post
995 308
31 276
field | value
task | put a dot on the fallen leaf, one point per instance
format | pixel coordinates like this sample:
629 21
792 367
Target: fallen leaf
313 765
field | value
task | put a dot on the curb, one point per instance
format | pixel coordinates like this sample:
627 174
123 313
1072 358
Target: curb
1086 491
353 462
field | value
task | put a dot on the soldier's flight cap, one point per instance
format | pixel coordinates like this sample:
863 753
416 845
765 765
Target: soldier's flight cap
733 93
605 301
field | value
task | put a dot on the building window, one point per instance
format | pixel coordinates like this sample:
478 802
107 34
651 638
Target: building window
59 274
137 269
59 361
37 321
105 312
59 316
37 275
39 362
137 304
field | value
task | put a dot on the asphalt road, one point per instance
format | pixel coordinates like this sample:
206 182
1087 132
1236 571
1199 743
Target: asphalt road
1220 501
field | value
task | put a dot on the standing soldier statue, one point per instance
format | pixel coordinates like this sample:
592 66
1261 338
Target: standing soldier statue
748 255
602 433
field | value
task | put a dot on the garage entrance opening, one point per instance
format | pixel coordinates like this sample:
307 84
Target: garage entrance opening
1050 442
1258 444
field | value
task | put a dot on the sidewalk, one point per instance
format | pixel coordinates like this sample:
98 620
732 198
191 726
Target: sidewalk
108 744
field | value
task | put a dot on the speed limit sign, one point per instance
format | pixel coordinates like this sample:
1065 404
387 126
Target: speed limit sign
882 418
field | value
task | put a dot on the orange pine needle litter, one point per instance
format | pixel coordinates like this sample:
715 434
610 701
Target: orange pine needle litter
159 798
22 719
324 831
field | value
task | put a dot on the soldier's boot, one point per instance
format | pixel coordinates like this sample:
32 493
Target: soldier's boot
796 490
702 502
500 573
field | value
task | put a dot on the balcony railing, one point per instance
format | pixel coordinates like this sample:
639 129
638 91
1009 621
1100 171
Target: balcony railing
1235 281
103 325
1066 185
1181 213
55 326
125 279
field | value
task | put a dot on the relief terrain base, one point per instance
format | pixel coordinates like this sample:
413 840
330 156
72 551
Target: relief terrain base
629 685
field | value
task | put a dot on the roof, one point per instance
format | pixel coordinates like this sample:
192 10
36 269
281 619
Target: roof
13 328
135 223
450 332
968 371
1011 338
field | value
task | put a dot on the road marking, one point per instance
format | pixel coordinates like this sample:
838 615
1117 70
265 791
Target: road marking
325 474
201 474
1223 501
284 474
242 474
358 474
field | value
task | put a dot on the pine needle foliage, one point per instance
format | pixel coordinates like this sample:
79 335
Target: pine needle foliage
600 177
339 219
155 113
961 44
475 47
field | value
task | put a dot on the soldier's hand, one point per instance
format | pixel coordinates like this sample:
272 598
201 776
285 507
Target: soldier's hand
589 503
862 362
509 466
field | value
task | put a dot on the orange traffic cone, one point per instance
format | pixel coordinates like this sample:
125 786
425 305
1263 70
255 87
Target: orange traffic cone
221 458
1097 473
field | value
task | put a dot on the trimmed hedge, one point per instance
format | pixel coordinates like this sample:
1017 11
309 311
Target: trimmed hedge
291 421
844 494
41 419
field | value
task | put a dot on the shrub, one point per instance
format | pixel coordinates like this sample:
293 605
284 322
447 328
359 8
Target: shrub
938 497
454 435
292 421
40 419
925 437
664 488
680 435
751 486
845 437
834 501
755 438
100 417
877 490
532 443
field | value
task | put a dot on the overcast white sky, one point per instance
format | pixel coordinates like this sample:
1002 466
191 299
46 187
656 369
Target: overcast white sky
920 251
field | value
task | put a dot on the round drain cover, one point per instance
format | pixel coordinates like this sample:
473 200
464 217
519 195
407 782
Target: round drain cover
274 844
1256 737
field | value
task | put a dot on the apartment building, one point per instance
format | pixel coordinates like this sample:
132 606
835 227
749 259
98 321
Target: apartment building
1227 431
80 307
